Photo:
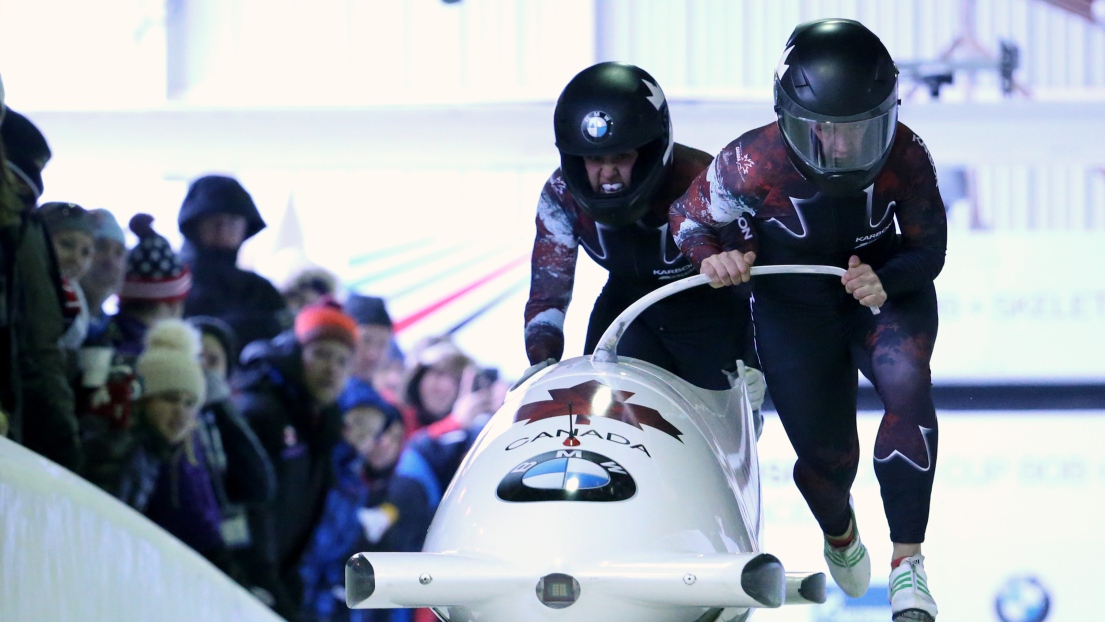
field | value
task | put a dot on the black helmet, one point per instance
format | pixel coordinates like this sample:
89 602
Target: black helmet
836 94
606 109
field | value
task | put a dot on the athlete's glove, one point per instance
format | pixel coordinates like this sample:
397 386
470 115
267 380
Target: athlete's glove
753 381
531 370
376 521
755 388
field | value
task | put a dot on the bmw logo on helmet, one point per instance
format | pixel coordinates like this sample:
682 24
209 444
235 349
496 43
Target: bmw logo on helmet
597 126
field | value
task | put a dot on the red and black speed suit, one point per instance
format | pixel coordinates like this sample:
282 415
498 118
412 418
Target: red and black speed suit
695 334
812 335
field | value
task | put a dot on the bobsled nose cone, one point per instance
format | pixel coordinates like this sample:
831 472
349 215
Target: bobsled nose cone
811 588
764 579
360 580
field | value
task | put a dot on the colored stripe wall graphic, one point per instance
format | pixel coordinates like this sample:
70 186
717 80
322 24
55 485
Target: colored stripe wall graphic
494 302
414 318
387 251
421 257
439 278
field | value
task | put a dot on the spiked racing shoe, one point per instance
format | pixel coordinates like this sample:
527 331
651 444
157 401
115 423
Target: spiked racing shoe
850 566
910 599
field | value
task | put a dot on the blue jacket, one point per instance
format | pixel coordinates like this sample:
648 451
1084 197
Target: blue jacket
338 536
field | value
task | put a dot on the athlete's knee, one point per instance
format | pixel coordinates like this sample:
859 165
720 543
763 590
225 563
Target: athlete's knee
912 439
836 465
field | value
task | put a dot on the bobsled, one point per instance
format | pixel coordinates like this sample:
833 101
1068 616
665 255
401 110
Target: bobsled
604 489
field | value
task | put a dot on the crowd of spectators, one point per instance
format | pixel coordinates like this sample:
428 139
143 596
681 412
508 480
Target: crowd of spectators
274 431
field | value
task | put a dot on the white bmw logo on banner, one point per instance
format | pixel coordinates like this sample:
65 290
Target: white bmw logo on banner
597 126
1022 599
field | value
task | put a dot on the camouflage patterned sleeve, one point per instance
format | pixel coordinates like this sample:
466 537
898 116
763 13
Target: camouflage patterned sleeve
923 224
552 274
714 199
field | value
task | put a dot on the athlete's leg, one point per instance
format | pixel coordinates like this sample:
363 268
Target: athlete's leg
808 365
705 331
894 353
806 361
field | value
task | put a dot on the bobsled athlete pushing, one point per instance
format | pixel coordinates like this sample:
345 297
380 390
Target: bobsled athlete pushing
838 180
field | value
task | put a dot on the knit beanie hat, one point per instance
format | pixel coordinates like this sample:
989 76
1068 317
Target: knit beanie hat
66 217
325 320
26 149
368 311
105 227
154 272
170 361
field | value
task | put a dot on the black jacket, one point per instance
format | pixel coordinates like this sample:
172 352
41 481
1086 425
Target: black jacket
34 390
298 437
245 300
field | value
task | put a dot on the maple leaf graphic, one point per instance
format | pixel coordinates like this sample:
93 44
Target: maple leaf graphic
577 401
910 441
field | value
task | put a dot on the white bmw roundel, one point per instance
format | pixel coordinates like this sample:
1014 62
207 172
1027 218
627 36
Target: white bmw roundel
597 126
567 475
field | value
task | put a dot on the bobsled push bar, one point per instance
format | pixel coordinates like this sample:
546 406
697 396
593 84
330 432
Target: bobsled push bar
608 343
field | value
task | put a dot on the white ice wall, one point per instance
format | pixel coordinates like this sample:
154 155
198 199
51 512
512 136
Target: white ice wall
70 552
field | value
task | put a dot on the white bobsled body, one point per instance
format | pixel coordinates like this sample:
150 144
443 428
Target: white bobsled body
641 489
607 491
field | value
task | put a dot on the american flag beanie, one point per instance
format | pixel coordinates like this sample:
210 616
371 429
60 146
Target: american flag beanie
154 271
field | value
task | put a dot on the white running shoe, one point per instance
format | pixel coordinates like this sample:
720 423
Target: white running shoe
910 599
850 566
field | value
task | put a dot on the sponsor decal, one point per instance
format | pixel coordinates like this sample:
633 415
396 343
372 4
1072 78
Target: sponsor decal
1022 599
567 475
597 126
864 240
746 229
671 273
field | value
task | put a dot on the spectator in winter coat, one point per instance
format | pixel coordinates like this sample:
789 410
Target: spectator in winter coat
217 216
359 511
240 470
440 391
154 288
375 343
287 391
36 401
71 230
109 267
432 456
158 467
374 335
